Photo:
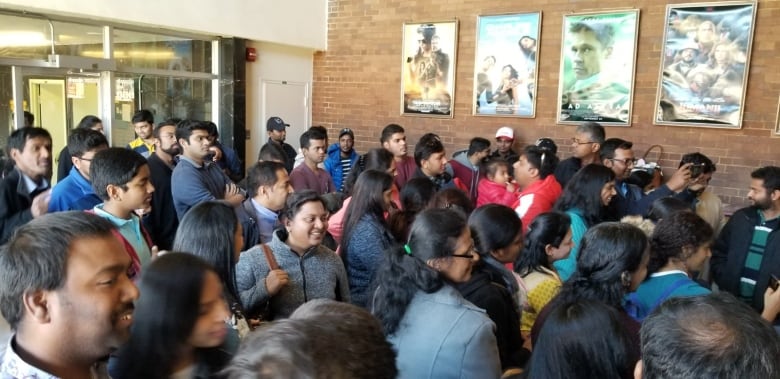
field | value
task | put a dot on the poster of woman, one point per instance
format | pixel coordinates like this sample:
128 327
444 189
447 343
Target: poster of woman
704 67
506 64
597 67
428 68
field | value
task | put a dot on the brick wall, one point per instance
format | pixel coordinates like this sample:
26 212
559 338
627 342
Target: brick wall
357 84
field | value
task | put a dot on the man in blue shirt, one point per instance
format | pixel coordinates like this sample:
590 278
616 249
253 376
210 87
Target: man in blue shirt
75 192
195 180
269 185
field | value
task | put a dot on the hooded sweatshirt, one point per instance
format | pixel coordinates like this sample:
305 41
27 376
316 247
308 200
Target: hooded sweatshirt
537 198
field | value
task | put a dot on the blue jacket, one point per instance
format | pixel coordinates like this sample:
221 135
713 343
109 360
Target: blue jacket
73 193
444 336
333 164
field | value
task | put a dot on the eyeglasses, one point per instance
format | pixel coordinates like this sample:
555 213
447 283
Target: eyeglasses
468 255
627 161
576 141
345 130
86 159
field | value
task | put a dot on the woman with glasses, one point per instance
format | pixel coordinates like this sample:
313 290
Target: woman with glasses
436 332
585 200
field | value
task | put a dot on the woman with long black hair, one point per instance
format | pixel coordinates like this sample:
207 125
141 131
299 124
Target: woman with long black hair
211 231
436 332
366 236
178 323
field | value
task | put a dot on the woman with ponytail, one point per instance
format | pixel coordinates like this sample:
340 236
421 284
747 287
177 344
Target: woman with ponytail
436 332
612 262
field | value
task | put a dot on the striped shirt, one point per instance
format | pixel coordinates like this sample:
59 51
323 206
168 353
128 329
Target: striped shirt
346 167
755 256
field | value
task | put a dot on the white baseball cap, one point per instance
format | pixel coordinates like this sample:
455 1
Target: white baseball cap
505 132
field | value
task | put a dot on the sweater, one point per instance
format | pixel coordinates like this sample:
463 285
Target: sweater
317 274
537 198
366 247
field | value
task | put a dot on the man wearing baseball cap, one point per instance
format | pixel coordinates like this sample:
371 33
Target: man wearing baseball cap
505 137
277 132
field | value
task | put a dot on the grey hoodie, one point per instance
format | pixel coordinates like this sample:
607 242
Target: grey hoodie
319 273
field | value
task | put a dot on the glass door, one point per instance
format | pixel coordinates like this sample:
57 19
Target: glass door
59 99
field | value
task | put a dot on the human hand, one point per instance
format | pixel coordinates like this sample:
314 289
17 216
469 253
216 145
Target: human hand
217 153
771 304
40 204
680 179
275 280
155 252
233 194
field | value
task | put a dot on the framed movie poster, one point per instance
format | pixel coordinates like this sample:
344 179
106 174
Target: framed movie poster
777 120
598 58
428 68
704 67
505 67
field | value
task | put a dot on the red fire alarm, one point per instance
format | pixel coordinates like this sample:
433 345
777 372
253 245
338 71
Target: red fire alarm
251 54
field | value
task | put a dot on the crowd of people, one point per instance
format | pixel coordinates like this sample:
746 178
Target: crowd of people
163 260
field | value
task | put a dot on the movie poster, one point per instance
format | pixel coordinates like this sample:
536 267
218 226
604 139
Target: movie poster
704 67
598 56
428 68
506 65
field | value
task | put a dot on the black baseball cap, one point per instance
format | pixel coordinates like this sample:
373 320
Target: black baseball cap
275 123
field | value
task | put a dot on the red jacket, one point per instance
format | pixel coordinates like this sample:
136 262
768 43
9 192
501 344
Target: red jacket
537 198
493 193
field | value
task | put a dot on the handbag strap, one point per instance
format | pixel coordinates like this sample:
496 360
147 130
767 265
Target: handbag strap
649 149
269 256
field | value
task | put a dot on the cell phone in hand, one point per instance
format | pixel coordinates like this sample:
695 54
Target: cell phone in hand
696 170
773 282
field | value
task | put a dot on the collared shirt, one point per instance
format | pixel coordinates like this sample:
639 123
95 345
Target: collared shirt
267 222
12 366
131 230
73 193
32 186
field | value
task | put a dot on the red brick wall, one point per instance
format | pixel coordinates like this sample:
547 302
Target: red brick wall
357 84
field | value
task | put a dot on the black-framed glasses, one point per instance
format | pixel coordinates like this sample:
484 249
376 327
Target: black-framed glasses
578 142
627 161
469 254
85 159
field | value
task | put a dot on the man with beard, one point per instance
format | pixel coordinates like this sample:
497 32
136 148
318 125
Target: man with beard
67 296
687 62
747 251
341 157
314 145
162 221
277 133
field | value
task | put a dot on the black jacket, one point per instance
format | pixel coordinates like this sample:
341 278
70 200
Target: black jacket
730 251
15 203
162 221
485 290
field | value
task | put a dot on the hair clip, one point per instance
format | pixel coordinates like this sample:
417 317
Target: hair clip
408 250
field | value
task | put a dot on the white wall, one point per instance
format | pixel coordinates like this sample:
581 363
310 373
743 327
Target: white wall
274 62
297 23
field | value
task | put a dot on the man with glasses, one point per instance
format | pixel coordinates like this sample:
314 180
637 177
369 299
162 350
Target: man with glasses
585 146
74 192
617 154
341 157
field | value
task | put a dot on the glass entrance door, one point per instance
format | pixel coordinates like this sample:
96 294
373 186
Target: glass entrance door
58 99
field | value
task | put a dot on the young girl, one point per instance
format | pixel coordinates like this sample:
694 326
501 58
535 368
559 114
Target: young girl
497 187
178 323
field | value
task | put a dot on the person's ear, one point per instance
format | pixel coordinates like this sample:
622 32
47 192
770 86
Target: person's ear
14 153
114 192
606 162
595 147
533 171
638 369
775 195
75 161
549 249
36 305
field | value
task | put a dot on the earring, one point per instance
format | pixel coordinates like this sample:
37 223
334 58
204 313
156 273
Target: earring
625 279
